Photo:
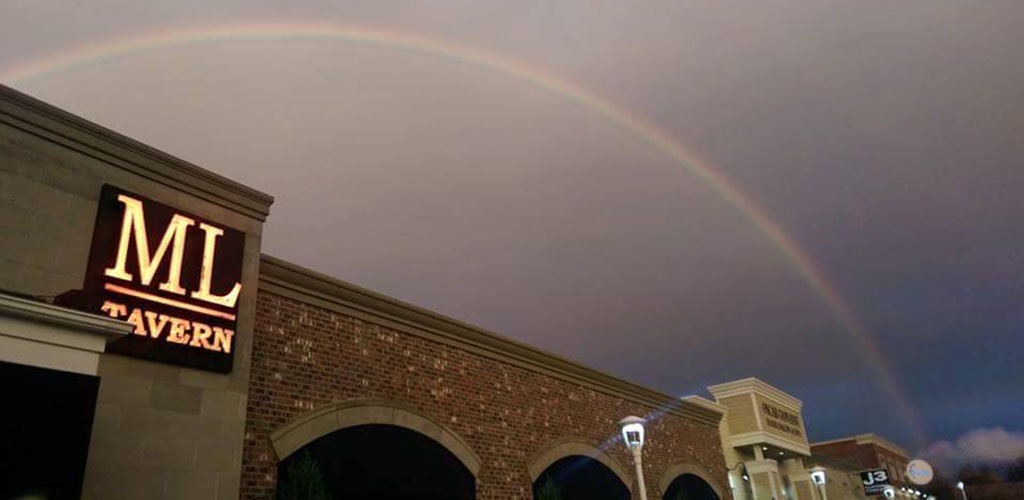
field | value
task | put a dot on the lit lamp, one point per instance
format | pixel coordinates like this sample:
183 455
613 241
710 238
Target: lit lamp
890 493
633 437
818 476
960 486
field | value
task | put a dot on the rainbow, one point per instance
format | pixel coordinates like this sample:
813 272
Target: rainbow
118 48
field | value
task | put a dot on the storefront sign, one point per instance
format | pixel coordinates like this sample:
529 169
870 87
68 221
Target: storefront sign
175 276
920 472
780 419
875 481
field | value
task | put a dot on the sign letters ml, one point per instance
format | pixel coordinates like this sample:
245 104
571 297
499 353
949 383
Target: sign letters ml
176 277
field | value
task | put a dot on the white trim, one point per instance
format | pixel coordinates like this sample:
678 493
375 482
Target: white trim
43 335
757 412
63 317
761 437
753 384
706 403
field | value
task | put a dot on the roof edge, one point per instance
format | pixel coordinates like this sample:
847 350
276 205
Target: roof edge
754 384
38 118
285 278
869 438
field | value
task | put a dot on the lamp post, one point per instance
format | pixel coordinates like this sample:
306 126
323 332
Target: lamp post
960 486
633 437
818 476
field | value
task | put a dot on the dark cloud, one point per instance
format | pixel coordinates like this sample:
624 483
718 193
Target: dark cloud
885 138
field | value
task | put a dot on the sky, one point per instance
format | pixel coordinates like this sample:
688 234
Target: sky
821 194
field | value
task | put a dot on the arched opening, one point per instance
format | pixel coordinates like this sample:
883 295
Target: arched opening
578 477
372 462
689 487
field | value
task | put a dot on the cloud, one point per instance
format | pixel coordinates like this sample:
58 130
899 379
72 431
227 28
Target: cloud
986 445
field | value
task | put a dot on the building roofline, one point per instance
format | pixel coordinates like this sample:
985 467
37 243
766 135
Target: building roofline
832 462
290 280
868 438
35 117
753 384
706 403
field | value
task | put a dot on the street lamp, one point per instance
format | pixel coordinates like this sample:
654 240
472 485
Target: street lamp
633 437
818 476
960 486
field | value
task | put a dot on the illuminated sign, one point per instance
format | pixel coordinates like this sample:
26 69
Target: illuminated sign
174 276
920 472
875 482
780 419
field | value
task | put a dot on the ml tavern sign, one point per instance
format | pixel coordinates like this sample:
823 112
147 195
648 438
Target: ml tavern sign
174 276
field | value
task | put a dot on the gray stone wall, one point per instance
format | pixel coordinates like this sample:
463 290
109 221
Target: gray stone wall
160 431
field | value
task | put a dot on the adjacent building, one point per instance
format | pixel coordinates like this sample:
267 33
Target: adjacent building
764 441
768 456
870 451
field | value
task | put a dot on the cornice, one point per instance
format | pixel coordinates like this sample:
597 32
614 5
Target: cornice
62 317
755 385
38 118
868 438
759 437
706 403
290 280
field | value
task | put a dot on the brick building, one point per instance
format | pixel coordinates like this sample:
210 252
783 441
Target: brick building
869 451
205 368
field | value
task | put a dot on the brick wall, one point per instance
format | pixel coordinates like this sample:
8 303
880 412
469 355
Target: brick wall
305 357
849 451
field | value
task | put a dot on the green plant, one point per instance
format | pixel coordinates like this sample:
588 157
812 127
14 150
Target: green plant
302 481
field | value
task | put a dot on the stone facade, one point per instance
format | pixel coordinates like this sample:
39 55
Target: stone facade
764 441
160 431
315 348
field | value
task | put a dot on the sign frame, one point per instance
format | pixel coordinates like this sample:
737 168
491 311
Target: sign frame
174 275
875 481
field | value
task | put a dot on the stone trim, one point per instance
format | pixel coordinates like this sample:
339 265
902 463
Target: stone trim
46 336
43 120
758 437
571 446
680 469
754 385
707 403
63 317
306 428
301 284
760 466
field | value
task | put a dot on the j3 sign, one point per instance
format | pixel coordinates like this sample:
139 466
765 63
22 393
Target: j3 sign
875 481
176 277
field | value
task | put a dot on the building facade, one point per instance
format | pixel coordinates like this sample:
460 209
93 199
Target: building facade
216 371
764 441
768 456
870 451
